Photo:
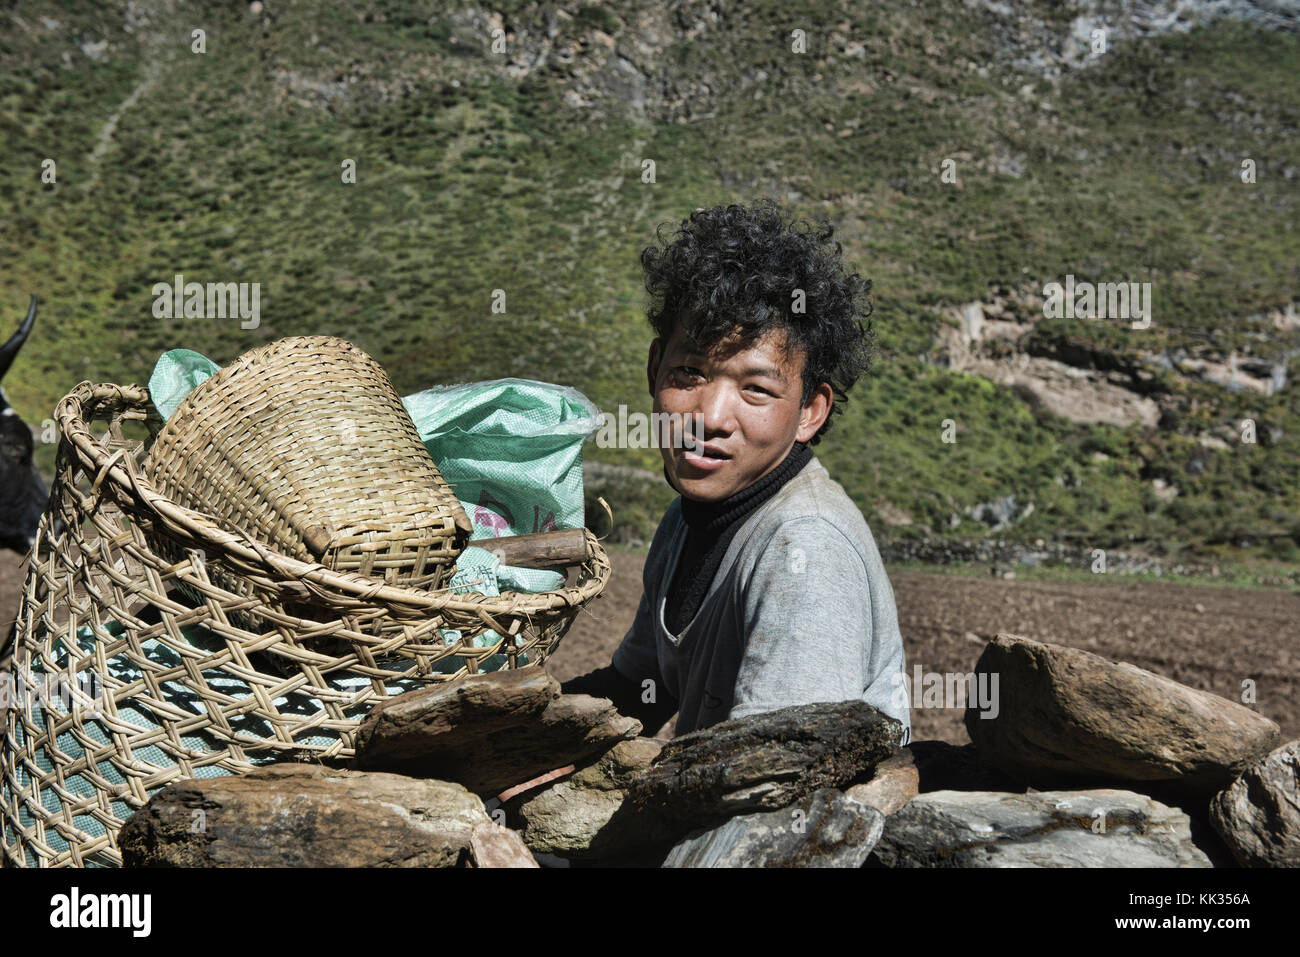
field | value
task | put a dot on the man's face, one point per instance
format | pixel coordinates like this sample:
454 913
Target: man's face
745 403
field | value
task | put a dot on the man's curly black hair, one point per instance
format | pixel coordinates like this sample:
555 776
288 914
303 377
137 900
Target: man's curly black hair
734 269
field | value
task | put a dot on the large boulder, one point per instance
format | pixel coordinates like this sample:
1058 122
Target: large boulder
824 829
1258 815
299 815
578 816
489 732
764 762
1069 717
1100 828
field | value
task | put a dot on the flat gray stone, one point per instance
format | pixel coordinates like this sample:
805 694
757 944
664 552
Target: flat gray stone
824 829
1097 828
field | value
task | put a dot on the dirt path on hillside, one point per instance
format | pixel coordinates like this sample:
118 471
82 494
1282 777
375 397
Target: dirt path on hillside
1207 638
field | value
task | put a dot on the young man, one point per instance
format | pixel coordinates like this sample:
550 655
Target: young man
763 586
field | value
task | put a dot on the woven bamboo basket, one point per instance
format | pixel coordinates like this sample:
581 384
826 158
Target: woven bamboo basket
305 444
155 687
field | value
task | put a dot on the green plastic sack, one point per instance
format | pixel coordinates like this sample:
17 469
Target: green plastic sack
177 374
511 448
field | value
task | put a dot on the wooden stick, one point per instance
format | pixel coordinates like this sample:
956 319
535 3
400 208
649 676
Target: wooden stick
541 550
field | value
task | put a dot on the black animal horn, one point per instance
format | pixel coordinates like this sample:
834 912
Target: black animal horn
10 348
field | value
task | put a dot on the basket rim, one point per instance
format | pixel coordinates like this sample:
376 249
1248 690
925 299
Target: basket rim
284 572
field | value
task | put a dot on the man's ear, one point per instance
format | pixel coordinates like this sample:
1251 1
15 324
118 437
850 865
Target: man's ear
652 364
813 415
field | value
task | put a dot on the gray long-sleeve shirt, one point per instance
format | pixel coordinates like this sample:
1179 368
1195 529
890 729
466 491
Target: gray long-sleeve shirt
800 611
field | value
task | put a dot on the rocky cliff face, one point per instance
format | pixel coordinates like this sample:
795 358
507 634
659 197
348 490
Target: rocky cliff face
1081 379
679 62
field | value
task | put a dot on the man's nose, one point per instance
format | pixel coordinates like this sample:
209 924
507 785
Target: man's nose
716 408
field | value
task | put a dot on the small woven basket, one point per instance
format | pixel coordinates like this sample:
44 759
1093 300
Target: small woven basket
154 687
305 445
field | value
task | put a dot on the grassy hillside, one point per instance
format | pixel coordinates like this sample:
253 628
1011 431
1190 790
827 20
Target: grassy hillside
479 171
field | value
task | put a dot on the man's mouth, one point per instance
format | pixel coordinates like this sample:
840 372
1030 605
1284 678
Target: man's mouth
708 457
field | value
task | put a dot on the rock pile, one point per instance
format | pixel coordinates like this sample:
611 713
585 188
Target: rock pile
1086 763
